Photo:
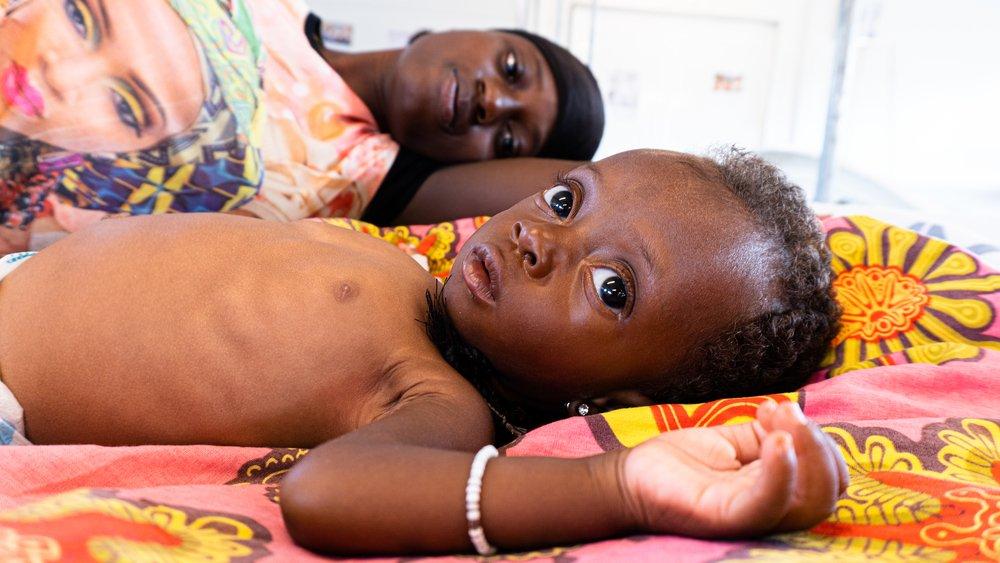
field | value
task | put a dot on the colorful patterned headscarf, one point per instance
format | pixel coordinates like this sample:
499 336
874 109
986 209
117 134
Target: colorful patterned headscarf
215 165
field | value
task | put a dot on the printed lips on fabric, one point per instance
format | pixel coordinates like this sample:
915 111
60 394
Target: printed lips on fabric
215 164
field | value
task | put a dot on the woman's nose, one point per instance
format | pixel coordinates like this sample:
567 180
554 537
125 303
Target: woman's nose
534 244
494 102
69 77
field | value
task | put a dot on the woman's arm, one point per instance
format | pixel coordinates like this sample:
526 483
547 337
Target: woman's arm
480 188
398 485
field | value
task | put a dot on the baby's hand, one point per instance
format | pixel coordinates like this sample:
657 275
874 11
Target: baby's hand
778 473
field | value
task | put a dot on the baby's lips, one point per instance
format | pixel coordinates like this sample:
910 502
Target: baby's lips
17 91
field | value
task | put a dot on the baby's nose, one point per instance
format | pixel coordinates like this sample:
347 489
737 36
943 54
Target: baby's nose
534 245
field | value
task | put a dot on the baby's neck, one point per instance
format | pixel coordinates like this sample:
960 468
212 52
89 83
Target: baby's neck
511 415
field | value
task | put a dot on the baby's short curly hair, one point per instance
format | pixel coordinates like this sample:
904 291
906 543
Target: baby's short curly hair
777 350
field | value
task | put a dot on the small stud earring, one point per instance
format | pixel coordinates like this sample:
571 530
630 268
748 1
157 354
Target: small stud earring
577 408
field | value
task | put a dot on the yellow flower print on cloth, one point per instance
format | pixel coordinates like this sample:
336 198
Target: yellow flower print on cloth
903 292
972 454
904 503
434 246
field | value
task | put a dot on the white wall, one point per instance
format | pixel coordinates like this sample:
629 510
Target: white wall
677 49
922 112
385 24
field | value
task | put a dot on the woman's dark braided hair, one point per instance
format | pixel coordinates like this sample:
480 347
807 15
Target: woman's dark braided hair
778 350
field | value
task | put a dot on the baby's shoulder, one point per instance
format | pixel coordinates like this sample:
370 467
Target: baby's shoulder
423 376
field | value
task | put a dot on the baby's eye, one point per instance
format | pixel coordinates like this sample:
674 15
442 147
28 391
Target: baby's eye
610 288
560 199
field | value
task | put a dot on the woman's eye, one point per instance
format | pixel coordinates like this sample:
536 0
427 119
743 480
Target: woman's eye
560 199
510 67
80 18
128 109
610 288
506 147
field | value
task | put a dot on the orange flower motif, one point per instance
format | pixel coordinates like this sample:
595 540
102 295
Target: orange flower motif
878 302
904 292
96 525
325 121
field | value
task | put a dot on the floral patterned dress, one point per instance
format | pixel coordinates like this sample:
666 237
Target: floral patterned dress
324 155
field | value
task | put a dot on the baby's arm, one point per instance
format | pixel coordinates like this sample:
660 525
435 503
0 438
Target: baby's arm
398 484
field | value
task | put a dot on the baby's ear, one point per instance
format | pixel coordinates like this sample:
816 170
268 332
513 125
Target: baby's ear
620 400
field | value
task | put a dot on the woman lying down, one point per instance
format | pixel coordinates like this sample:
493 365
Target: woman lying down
646 277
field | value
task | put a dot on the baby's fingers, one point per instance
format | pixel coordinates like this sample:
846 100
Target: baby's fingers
768 417
763 503
818 480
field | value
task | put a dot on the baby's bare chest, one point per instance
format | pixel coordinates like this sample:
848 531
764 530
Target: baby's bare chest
232 346
338 318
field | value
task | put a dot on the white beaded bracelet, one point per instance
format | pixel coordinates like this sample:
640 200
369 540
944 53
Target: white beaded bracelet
473 491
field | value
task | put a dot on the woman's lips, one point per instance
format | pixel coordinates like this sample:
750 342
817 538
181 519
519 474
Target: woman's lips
17 91
481 273
456 105
449 101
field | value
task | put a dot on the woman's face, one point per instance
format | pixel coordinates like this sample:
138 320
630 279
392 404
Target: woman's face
98 75
472 95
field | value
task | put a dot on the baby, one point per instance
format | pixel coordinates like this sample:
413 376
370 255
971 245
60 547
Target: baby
649 276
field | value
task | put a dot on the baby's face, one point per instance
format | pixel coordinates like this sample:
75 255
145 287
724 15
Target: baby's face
605 280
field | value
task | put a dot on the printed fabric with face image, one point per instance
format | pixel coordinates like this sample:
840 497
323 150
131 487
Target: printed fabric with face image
141 106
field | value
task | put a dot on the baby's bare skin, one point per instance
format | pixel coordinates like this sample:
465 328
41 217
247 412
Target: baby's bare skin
211 329
229 330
